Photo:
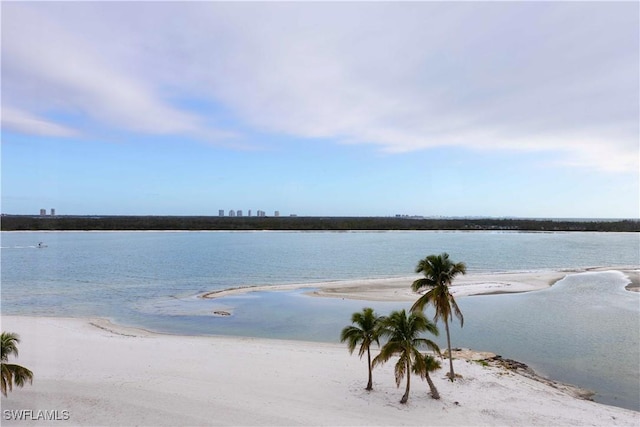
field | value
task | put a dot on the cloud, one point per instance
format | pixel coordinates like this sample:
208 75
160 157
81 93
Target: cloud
24 122
403 77
49 67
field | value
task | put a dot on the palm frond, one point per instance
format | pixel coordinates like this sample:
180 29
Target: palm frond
366 343
424 342
5 380
401 368
11 374
458 268
387 352
352 336
432 364
403 332
364 330
418 366
430 327
8 345
421 283
456 311
420 303
19 374
425 363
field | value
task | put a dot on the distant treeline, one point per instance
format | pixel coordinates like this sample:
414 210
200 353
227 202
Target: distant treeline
105 223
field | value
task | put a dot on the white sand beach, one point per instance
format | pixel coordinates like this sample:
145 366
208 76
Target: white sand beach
104 374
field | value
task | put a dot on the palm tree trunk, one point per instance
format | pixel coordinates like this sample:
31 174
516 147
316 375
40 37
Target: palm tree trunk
406 392
446 327
432 386
370 383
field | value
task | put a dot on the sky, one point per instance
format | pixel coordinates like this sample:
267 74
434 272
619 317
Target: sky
499 109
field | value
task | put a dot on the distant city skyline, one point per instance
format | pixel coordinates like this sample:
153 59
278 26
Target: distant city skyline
231 213
435 109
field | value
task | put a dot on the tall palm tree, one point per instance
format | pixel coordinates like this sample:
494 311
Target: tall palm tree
11 374
439 272
403 332
365 333
422 366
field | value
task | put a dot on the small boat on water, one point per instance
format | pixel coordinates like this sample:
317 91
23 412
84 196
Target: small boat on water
41 245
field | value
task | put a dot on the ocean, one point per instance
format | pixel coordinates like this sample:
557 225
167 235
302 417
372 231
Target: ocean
585 330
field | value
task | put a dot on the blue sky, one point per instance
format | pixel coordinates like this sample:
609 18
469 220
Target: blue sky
435 109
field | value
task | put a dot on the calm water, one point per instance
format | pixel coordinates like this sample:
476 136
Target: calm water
570 332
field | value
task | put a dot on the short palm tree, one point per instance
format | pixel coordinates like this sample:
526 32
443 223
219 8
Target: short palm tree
422 366
439 272
11 374
364 332
403 333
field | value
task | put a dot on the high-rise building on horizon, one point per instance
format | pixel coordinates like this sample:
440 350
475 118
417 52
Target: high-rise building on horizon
220 212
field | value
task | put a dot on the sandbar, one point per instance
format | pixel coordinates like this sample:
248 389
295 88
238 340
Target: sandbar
399 288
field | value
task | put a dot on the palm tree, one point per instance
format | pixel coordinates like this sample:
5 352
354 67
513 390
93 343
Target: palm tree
365 333
403 332
422 366
11 374
439 272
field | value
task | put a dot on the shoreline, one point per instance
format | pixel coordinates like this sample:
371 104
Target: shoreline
489 358
398 289
20 223
469 355
109 374
634 277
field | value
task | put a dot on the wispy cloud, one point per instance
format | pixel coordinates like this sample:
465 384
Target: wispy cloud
50 67
24 122
556 77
